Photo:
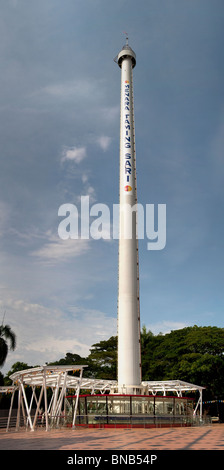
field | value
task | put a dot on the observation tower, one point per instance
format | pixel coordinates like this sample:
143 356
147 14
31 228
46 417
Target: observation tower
129 346
127 401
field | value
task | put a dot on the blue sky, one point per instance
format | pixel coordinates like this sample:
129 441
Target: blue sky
60 93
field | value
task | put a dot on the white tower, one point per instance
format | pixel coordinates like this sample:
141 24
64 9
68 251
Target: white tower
129 347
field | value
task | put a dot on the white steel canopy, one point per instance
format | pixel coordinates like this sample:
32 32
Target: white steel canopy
50 374
60 380
165 386
55 377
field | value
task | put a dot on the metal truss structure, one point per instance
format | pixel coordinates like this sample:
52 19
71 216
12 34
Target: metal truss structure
176 386
55 377
60 380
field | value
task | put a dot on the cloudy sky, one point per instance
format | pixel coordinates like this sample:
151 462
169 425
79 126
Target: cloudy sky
59 138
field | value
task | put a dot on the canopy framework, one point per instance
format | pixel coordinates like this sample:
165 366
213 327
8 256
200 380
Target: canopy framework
177 386
59 379
55 377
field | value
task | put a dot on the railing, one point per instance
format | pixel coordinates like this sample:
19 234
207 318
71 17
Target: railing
103 421
132 421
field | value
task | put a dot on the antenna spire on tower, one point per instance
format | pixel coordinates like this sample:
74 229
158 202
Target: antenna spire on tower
126 34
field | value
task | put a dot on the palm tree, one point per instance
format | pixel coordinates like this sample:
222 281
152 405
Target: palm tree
6 336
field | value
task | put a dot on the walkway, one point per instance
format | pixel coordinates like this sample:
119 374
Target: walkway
195 438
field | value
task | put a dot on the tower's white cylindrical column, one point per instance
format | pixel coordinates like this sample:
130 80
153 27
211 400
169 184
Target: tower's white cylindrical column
129 350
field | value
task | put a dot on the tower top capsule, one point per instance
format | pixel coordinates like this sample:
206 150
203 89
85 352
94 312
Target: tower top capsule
126 52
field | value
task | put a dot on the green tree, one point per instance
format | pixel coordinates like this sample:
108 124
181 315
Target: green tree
15 368
102 360
193 354
145 337
69 359
7 341
149 344
1 379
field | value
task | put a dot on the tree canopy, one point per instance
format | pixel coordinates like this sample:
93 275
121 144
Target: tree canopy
193 354
7 341
102 360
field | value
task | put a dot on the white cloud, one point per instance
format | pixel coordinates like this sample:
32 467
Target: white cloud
166 326
46 334
84 178
110 114
48 248
5 213
73 88
55 250
75 154
88 189
104 142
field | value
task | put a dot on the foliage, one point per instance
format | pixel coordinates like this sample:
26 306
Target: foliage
193 354
103 359
69 359
15 368
6 336
1 379
101 362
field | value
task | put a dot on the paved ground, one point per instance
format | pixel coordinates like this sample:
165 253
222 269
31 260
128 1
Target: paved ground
195 438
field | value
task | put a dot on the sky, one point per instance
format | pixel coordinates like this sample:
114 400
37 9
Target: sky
59 140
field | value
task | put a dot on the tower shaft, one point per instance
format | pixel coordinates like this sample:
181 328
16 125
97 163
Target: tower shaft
129 350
